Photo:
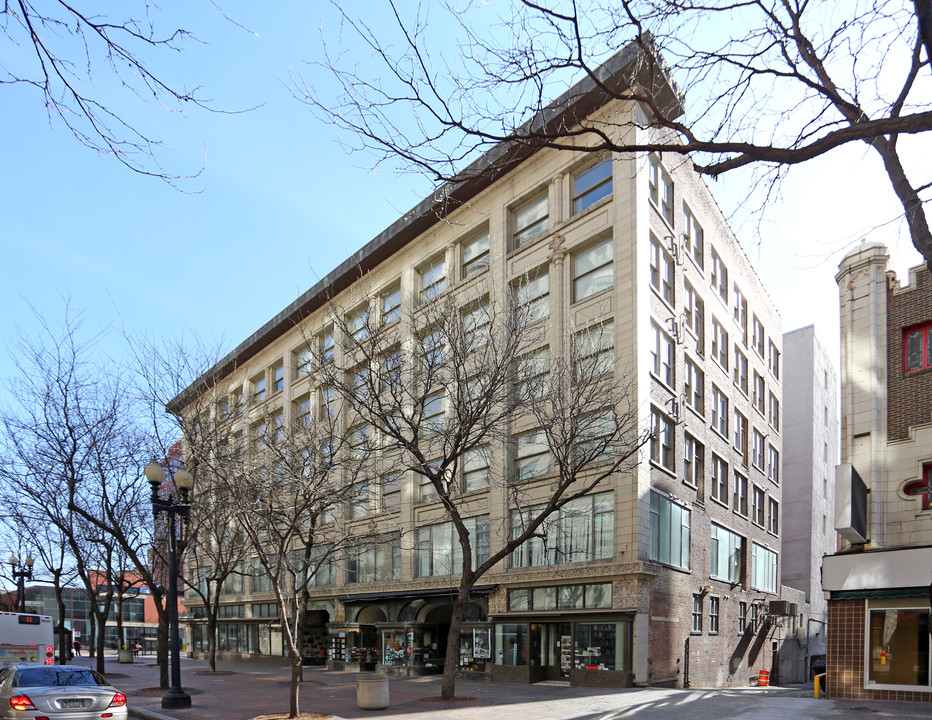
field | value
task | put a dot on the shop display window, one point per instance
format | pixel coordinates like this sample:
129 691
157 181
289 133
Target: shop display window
600 646
475 649
511 643
899 648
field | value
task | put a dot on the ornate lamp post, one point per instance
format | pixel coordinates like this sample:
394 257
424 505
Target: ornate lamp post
176 698
21 573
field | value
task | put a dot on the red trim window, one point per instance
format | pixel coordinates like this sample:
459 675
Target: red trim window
917 348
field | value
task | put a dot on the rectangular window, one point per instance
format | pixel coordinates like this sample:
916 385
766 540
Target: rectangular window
773 516
741 313
719 479
773 412
773 360
660 188
758 337
695 317
742 616
532 297
302 413
593 270
391 491
302 360
773 464
477 325
433 353
725 553
532 455
427 491
741 435
391 305
694 464
581 530
661 440
532 375
763 569
757 506
757 454
713 615
697 614
327 402
719 277
439 552
374 560
899 647
693 238
278 376
258 387
719 411
669 532
661 271
591 184
432 419
531 220
594 350
357 323
662 361
739 498
741 370
433 279
719 343
695 387
359 500
476 254
476 469
760 393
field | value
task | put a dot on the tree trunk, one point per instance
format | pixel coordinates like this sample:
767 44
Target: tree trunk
295 685
448 683
100 642
212 642
91 651
121 631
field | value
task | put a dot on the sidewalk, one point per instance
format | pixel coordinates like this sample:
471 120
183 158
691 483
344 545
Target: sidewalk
244 690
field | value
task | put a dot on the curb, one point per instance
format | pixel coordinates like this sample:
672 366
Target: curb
146 714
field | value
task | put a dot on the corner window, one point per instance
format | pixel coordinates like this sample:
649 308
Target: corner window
669 532
917 348
593 270
530 220
476 254
591 184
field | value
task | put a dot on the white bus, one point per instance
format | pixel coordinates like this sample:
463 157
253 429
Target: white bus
26 638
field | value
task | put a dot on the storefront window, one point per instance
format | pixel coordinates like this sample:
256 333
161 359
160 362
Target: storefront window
899 648
475 649
563 597
571 597
511 643
545 598
601 646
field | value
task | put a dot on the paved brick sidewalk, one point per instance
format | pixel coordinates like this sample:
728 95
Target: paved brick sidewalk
244 690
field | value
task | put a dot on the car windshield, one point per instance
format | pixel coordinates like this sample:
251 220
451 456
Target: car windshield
58 676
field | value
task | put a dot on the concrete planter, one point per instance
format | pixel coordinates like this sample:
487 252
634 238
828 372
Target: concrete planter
371 691
125 656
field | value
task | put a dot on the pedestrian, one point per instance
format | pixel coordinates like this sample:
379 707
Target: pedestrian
136 647
77 647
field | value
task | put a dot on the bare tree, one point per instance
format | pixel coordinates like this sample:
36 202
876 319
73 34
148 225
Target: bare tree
449 382
771 83
68 54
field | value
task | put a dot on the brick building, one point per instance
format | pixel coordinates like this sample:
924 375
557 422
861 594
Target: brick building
879 581
685 588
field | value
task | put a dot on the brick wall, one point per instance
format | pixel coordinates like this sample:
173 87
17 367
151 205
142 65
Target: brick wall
909 400
845 658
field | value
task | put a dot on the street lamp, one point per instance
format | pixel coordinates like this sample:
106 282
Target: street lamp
176 698
21 575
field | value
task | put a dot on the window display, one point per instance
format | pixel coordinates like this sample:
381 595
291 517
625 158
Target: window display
899 645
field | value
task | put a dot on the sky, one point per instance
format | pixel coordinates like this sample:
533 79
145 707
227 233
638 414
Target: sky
279 203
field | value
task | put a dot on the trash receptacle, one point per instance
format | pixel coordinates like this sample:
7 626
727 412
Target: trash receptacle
371 691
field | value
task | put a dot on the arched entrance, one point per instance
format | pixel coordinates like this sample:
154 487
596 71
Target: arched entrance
314 637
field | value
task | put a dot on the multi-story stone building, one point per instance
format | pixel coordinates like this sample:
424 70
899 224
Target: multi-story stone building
683 587
879 644
810 432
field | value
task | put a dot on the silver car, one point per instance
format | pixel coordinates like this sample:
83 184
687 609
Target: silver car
58 692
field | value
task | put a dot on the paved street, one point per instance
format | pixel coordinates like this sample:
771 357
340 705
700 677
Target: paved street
241 691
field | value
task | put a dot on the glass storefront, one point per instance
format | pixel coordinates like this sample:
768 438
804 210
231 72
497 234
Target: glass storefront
899 648
565 646
253 638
